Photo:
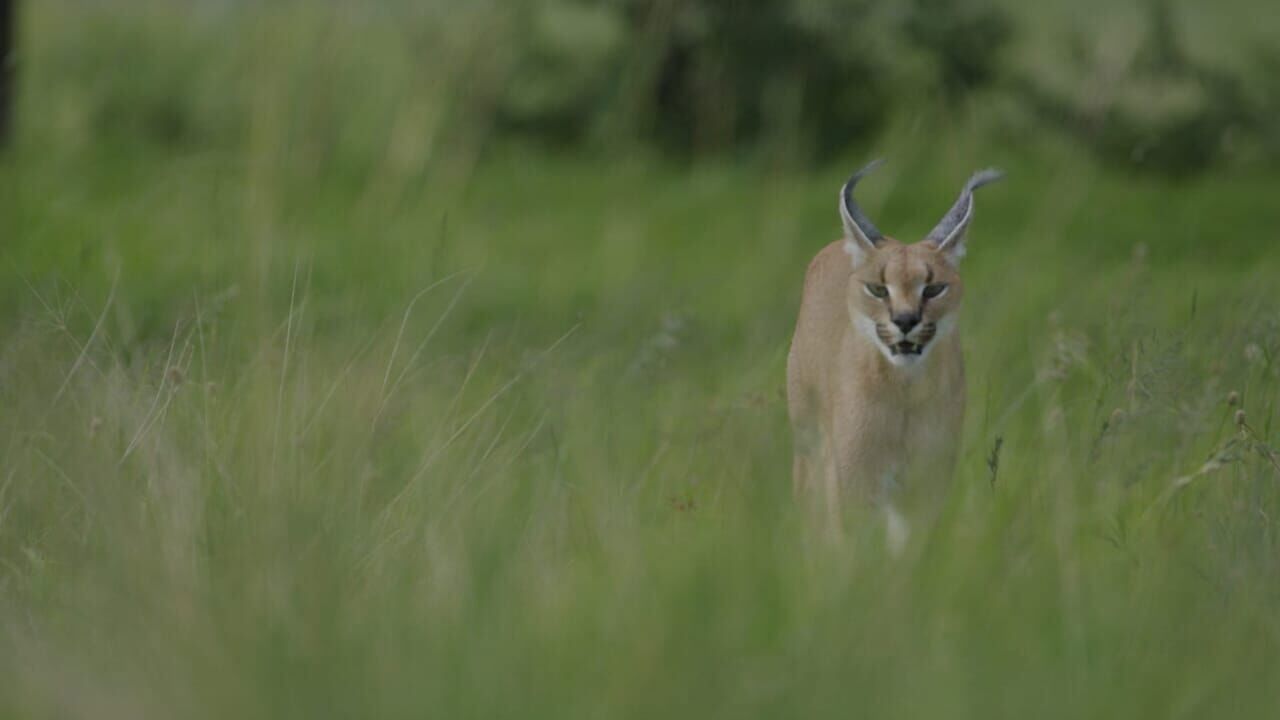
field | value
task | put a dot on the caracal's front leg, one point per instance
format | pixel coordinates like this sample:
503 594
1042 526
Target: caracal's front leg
831 483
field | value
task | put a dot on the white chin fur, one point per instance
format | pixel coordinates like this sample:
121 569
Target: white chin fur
867 327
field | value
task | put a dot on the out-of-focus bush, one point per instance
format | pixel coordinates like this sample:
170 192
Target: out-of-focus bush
385 91
142 76
963 41
710 75
567 68
722 75
702 76
1152 105
692 77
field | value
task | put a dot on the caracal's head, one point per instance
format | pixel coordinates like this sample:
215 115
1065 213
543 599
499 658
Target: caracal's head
904 297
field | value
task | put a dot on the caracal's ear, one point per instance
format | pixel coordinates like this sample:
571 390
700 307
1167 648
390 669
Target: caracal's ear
860 236
949 235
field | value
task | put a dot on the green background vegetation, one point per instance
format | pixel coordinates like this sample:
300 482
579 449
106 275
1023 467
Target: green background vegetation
424 361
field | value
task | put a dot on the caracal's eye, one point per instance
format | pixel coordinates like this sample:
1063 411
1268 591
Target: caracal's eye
877 291
934 290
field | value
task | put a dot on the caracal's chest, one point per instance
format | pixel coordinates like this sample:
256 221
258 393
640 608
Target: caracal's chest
902 428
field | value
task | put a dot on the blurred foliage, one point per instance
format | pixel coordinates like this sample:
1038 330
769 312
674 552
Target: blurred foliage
1157 107
711 75
801 79
570 59
963 40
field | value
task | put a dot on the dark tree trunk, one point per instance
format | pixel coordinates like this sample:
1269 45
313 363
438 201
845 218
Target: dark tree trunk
8 61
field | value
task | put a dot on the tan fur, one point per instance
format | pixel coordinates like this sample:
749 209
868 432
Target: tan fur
865 427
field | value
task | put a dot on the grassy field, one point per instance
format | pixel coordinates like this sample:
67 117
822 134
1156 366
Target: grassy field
327 403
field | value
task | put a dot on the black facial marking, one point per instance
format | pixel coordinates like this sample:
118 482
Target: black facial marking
907 347
926 333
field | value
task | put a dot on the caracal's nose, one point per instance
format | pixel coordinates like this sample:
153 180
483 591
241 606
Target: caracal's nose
906 322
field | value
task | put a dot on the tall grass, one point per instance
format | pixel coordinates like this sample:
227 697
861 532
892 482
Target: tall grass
303 415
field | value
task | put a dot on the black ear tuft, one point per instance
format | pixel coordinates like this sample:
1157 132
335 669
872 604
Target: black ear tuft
949 233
